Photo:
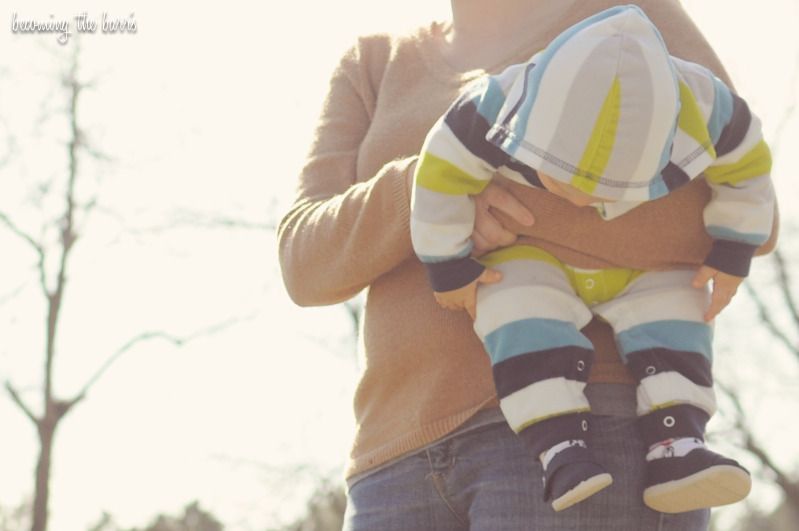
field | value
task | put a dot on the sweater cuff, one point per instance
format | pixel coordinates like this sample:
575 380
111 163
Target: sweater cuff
453 274
731 257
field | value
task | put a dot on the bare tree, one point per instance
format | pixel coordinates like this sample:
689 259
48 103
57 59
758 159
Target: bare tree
52 273
781 319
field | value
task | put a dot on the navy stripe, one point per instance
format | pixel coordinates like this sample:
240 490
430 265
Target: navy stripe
523 96
520 371
673 176
693 365
529 174
453 274
544 435
731 257
471 128
734 132
689 421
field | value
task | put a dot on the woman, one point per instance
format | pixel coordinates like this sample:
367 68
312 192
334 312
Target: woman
432 450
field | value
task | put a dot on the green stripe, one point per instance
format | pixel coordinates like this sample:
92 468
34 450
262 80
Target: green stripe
551 416
607 283
755 163
439 175
691 120
600 146
519 252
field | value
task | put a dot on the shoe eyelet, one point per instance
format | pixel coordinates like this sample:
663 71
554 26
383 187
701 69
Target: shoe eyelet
584 425
580 365
651 370
669 421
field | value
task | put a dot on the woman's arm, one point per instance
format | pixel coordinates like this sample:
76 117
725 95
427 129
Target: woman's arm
339 234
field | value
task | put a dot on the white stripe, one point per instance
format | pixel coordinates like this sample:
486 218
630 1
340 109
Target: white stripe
674 448
513 175
441 241
656 296
560 72
529 289
528 302
745 208
665 96
684 154
670 388
542 399
436 207
550 454
699 80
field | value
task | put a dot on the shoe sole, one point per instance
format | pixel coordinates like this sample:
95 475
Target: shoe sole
583 490
718 485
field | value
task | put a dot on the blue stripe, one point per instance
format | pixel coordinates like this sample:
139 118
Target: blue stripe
657 187
722 110
491 101
686 336
532 335
726 233
425 259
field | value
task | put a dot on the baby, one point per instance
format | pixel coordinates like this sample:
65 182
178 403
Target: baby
603 117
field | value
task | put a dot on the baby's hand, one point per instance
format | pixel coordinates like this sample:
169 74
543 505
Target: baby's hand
466 297
724 288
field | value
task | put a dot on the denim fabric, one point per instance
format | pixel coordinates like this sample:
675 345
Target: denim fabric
483 479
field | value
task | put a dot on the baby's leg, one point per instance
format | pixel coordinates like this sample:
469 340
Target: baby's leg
667 345
530 325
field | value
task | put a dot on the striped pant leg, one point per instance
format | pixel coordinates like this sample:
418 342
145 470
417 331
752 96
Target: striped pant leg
530 325
664 340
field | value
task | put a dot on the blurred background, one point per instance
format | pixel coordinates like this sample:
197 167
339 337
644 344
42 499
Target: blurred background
149 356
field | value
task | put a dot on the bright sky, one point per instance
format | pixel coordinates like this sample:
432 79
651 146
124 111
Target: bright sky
210 110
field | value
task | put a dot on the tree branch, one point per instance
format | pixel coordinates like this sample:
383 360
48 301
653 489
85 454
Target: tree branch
207 221
751 445
785 286
22 234
19 402
37 248
151 335
765 316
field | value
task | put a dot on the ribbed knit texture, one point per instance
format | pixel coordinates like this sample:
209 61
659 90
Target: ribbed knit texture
425 371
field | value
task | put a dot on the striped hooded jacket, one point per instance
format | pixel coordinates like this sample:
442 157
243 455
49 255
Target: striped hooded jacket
606 109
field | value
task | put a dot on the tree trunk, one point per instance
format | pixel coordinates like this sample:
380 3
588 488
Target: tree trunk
42 494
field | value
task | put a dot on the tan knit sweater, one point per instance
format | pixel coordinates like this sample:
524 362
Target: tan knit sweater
425 371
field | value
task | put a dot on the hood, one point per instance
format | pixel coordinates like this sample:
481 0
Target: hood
597 108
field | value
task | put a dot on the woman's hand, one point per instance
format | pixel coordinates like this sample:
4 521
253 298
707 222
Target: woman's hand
489 233
465 298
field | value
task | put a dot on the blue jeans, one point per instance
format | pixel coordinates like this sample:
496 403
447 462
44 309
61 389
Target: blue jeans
483 479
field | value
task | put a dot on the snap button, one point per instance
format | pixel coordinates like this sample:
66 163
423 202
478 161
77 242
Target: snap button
580 365
589 283
669 421
651 370
584 425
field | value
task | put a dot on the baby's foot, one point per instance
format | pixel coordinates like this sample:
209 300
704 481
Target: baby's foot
571 475
697 480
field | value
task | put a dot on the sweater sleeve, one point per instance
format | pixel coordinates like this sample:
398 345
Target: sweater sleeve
740 214
340 235
456 163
